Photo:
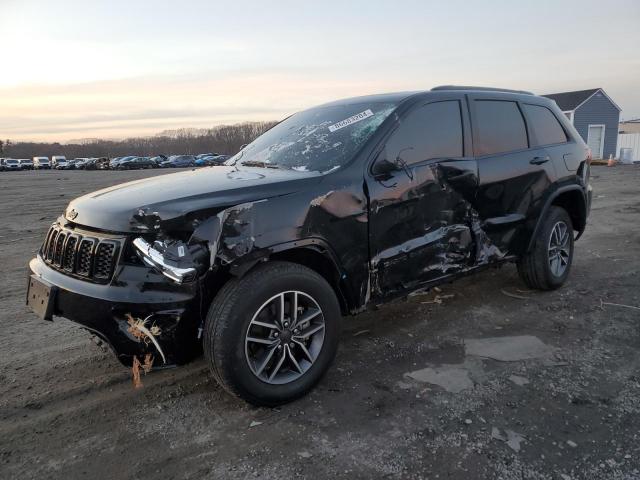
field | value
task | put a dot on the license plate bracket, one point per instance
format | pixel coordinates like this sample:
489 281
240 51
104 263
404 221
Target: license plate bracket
41 297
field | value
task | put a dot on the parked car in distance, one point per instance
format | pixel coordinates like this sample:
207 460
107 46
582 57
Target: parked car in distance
26 164
211 160
11 164
134 163
100 163
41 163
220 159
76 163
89 163
179 161
115 161
333 211
59 162
203 155
81 163
158 159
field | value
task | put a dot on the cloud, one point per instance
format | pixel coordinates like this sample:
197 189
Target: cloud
143 105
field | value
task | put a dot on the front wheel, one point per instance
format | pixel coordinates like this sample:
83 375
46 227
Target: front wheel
547 265
270 336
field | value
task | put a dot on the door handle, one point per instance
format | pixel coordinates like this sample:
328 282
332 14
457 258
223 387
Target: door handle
540 160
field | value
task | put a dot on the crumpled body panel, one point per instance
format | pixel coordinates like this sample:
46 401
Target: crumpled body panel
424 227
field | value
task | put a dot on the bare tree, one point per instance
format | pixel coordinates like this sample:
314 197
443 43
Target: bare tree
224 139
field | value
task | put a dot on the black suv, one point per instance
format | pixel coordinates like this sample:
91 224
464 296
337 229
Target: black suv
335 209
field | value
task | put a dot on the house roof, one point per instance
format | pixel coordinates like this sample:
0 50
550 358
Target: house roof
568 101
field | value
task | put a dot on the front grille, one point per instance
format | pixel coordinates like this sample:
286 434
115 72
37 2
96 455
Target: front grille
80 255
84 256
69 257
103 260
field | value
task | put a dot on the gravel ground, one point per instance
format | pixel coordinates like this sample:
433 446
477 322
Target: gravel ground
432 387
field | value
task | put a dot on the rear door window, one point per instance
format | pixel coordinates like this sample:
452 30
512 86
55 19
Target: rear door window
499 127
545 126
432 131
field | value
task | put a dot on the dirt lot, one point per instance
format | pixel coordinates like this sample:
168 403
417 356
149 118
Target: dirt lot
413 393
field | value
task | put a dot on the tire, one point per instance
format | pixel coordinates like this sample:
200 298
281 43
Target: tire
235 359
536 268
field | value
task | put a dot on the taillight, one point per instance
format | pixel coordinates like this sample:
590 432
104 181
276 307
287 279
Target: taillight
584 172
589 157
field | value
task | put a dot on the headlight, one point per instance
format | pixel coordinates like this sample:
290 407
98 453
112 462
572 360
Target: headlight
154 258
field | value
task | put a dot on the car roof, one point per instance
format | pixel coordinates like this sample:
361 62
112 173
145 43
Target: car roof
398 97
394 97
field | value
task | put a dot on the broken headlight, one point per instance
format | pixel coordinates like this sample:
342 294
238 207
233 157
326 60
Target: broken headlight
173 258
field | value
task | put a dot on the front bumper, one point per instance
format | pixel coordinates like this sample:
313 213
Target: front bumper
134 291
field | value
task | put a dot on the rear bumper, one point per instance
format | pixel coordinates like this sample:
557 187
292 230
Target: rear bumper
134 291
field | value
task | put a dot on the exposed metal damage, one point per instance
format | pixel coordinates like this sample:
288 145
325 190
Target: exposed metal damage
451 238
454 242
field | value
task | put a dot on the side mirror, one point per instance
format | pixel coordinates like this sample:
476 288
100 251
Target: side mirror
242 146
382 167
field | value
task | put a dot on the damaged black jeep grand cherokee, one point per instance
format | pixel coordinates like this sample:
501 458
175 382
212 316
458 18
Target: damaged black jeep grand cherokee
335 209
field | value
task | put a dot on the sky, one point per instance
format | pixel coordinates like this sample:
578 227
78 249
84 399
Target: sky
113 69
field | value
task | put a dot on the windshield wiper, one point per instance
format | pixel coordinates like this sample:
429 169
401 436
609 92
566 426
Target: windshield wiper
256 163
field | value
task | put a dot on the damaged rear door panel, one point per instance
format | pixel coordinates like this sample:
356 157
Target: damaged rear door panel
515 176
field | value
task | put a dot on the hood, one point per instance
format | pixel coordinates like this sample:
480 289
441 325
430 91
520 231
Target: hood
168 197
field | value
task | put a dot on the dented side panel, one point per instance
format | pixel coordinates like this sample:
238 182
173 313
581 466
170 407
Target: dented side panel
335 221
424 226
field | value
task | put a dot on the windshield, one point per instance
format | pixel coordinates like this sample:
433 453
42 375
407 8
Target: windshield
319 139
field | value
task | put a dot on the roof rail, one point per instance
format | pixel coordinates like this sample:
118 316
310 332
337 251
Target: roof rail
482 89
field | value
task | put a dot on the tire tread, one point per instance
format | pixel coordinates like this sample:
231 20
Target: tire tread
220 314
532 266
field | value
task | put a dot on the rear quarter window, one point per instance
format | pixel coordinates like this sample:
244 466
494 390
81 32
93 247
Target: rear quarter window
499 127
545 126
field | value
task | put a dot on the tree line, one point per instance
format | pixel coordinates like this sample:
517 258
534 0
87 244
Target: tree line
223 139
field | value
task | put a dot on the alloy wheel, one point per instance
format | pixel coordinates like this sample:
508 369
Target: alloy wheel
285 337
559 248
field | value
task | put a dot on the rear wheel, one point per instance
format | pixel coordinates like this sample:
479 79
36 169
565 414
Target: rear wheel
547 265
271 335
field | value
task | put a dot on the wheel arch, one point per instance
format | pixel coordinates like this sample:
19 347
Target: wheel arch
312 253
572 199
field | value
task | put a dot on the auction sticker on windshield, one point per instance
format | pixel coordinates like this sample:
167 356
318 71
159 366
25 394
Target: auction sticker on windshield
351 120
